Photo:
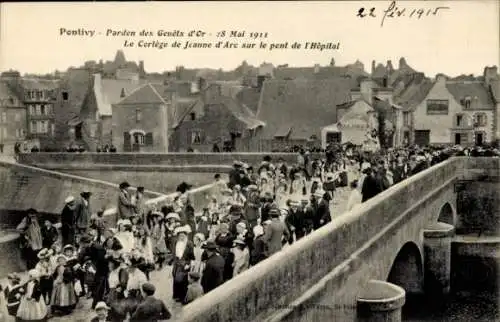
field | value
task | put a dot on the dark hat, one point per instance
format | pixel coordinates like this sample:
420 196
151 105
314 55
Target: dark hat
210 245
195 276
32 211
85 194
124 185
148 288
274 212
140 189
134 261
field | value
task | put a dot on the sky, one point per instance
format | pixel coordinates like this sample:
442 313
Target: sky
460 40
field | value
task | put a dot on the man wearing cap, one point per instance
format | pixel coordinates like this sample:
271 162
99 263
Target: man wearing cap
68 229
126 208
275 233
83 213
213 274
151 309
195 290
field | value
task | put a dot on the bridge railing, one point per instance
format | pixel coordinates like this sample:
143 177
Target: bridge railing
24 187
171 159
255 294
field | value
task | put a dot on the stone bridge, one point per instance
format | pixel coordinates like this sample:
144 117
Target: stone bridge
364 263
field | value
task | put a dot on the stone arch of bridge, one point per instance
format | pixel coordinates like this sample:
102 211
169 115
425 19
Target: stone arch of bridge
447 214
407 269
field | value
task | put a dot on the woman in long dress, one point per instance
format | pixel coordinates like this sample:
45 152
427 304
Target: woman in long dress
32 307
158 243
197 265
125 235
63 297
117 279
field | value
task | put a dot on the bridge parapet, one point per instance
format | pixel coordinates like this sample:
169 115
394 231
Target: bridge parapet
277 286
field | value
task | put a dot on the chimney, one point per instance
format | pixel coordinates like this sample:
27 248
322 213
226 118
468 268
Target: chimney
122 94
373 67
402 63
366 89
490 73
441 79
142 73
390 69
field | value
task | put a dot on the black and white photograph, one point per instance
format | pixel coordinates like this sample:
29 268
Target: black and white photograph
217 161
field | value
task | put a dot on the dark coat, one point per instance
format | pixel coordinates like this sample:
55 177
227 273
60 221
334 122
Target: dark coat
82 214
97 255
125 207
258 252
371 188
151 309
49 236
213 274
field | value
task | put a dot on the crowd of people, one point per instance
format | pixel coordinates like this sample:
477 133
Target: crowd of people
249 217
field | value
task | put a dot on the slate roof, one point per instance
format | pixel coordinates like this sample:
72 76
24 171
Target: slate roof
460 90
77 82
36 83
109 91
304 105
249 97
146 94
413 94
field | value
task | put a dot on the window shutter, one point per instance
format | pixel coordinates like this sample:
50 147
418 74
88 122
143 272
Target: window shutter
126 141
149 138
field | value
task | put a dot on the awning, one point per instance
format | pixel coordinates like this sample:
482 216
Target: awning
75 121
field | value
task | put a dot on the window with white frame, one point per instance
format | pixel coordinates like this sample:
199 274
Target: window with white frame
138 138
32 110
138 115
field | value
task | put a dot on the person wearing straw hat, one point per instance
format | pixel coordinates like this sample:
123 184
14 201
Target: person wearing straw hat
45 271
101 309
13 293
183 255
158 242
241 255
136 279
213 274
68 229
32 307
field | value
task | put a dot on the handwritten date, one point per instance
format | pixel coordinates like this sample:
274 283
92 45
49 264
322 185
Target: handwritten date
394 11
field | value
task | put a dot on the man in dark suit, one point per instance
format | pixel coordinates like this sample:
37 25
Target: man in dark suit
83 213
96 253
276 233
213 274
68 229
151 309
126 207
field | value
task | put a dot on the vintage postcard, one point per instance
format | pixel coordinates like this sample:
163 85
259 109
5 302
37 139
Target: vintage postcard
250 161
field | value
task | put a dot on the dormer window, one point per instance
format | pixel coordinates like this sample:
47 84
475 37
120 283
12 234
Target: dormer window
65 96
467 101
